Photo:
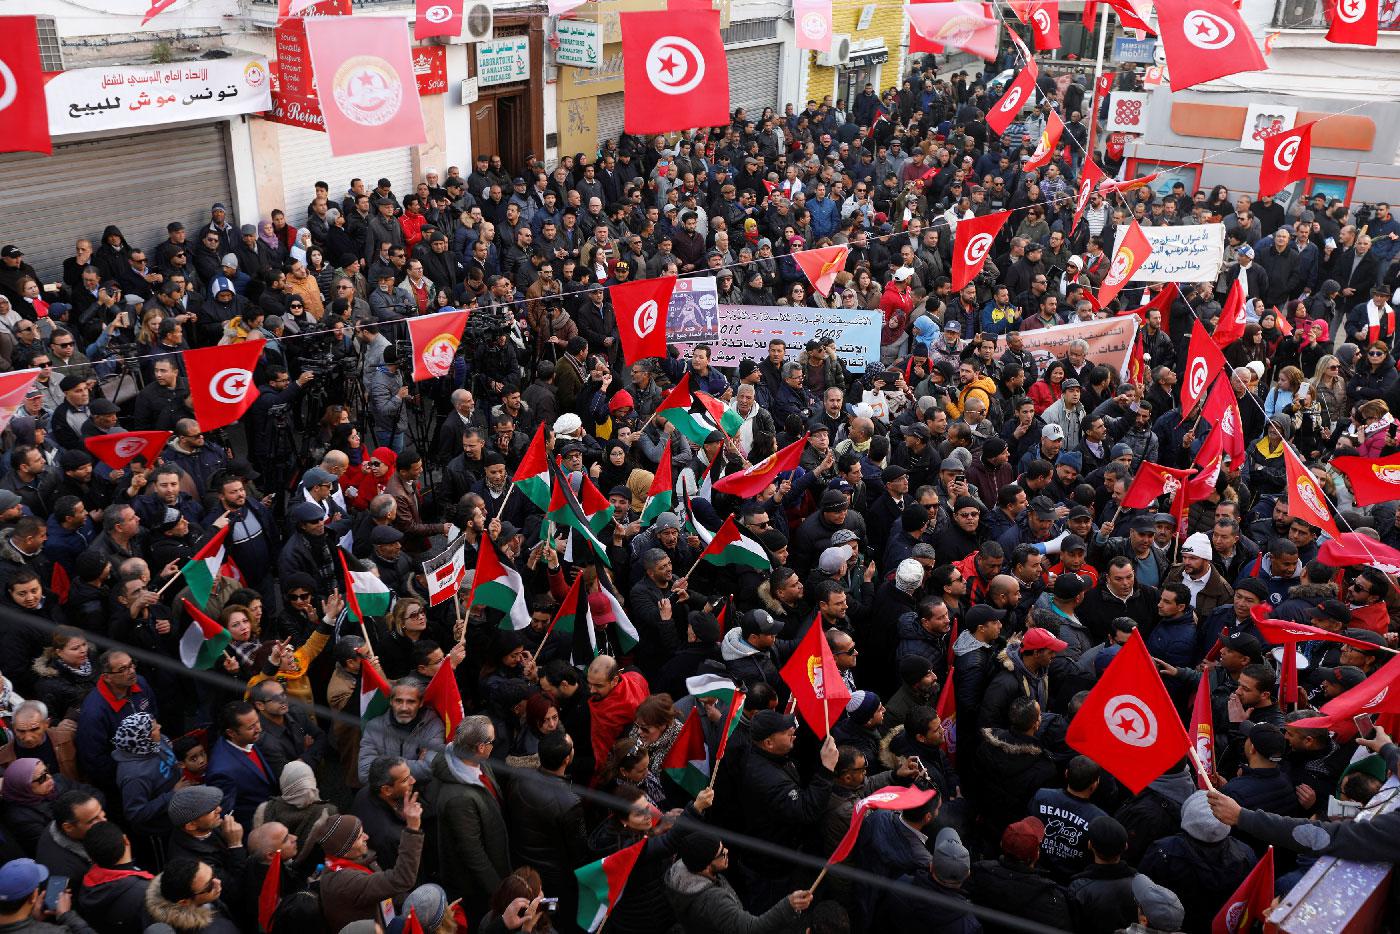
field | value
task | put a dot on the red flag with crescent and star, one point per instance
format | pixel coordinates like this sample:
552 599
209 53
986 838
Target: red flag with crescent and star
1353 22
641 308
121 448
1128 723
1045 24
1306 499
820 266
434 18
23 107
1204 362
676 71
1286 158
972 243
1223 413
1230 327
1204 40
1017 95
221 382
1250 901
1128 258
1088 180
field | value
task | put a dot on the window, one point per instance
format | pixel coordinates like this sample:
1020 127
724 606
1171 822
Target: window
1333 186
1188 174
50 49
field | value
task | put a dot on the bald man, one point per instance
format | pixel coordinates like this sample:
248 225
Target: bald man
613 698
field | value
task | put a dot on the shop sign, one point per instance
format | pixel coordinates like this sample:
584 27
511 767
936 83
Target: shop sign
84 100
580 43
430 68
502 61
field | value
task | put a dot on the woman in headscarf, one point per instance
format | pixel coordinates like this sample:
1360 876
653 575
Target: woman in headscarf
147 773
299 805
371 479
616 466
267 233
1267 471
1249 348
26 800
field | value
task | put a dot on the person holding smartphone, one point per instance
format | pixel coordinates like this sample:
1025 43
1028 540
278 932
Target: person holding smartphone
29 903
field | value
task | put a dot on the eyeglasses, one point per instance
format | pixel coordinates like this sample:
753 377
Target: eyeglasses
213 884
851 651
41 777
64 344
1375 353
122 669
298 597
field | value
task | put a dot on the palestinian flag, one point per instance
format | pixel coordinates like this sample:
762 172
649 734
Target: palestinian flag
201 571
687 762
565 510
693 526
204 640
731 723
597 510
532 476
374 691
624 633
566 618
365 594
730 548
711 686
499 587
600 885
696 414
662 495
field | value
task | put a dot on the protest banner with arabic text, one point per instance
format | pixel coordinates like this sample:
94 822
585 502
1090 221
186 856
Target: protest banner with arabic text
745 330
1110 341
1182 254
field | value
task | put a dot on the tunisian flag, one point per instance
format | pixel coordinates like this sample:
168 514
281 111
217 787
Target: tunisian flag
1250 901
1230 327
972 243
1045 24
815 681
1356 22
119 449
1128 723
1049 139
1127 260
435 340
1204 40
1089 180
889 798
820 266
754 479
434 18
1151 481
641 308
1204 362
1286 158
1018 94
1306 500
365 83
677 74
221 382
1223 412
24 116
1373 479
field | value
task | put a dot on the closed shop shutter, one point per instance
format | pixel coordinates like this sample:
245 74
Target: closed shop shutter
754 73
139 183
610 109
307 159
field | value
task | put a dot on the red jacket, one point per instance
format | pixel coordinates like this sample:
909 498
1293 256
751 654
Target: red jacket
613 714
896 307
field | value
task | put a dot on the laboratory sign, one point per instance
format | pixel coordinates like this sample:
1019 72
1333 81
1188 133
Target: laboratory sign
580 43
502 61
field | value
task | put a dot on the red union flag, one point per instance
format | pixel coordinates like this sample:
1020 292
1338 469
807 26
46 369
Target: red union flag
1373 479
677 74
1354 21
1286 158
971 27
119 449
365 83
1251 899
1128 723
24 113
820 266
1223 413
813 21
221 382
1204 362
1306 500
1049 139
972 243
1204 40
435 340
1088 181
1151 481
1018 94
1202 732
641 308
815 681
1045 24
754 479
437 18
1132 252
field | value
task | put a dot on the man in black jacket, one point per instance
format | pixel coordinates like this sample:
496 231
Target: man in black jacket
379 806
1012 884
1101 895
114 889
546 821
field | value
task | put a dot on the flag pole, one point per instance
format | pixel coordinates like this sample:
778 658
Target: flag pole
500 510
818 881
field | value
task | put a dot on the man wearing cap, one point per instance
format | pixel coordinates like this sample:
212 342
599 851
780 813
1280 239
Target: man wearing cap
1261 784
1011 883
1067 412
1055 612
777 807
203 832
703 900
1051 442
1208 588
1024 672
308 550
813 536
22 894
1139 546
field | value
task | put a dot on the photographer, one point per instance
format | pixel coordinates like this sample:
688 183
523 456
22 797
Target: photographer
388 398
277 390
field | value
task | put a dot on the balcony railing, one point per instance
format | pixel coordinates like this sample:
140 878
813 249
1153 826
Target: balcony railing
1308 14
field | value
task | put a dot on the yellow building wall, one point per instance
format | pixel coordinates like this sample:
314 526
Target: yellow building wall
888 24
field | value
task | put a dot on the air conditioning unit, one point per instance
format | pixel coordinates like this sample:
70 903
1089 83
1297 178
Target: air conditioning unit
478 22
839 55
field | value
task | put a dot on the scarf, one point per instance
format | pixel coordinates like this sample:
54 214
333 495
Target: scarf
82 671
336 864
19 783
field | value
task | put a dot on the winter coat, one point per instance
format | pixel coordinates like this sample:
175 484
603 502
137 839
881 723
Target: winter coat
1017 889
1174 640
1012 680
944 917
60 688
146 784
469 826
1203 875
349 895
546 829
1101 898
115 896
1012 768
778 808
703 906
748 665
418 744
974 663
212 918
1264 790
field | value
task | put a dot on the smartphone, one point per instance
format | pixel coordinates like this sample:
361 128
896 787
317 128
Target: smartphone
53 890
1365 725
960 478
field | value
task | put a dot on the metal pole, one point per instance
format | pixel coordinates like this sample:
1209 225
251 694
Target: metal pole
1103 40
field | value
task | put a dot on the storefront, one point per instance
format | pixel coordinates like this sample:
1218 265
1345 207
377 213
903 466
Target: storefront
506 117
755 65
877 39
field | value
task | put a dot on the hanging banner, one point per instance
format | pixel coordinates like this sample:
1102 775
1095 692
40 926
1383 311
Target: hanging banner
693 315
580 43
1182 254
745 331
87 100
1110 340
813 21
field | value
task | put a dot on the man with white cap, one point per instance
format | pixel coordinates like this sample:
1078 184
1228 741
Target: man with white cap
1198 573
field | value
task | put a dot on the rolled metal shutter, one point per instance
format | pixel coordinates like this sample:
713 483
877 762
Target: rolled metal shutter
610 110
307 159
140 183
754 73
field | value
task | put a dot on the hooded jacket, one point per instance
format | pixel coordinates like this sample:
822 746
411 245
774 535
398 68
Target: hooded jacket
1010 681
211 918
1016 888
1012 767
704 905
748 665
115 895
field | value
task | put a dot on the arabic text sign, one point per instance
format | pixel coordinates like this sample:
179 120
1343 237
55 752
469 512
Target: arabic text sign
502 61
693 315
1109 341
85 100
1181 254
745 331
580 43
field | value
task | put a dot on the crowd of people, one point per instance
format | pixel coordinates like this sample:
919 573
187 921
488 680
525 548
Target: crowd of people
955 528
